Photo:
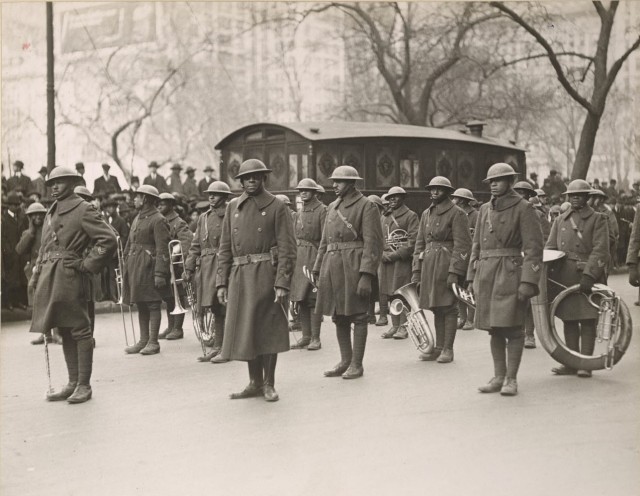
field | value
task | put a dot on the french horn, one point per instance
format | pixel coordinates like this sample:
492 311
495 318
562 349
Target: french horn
398 238
417 325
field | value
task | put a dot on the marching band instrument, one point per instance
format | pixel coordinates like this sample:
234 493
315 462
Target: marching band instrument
465 296
397 239
177 260
119 270
417 324
614 322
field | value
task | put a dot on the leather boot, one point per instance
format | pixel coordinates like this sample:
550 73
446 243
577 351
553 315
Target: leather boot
438 321
256 381
304 314
170 325
395 324
510 387
430 357
402 327
316 320
530 341
212 354
143 323
494 385
515 347
384 311
70 350
450 330
218 331
356 369
38 340
153 347
343 333
269 363
177 332
499 354
85 366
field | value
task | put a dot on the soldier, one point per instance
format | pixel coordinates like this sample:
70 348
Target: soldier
146 268
347 262
399 230
178 230
203 262
544 201
464 198
60 278
502 278
597 200
440 259
583 235
153 179
14 222
376 296
255 264
633 251
308 225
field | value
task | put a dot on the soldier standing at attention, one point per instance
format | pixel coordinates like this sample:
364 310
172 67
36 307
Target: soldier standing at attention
61 278
255 265
308 225
346 265
502 278
146 268
633 251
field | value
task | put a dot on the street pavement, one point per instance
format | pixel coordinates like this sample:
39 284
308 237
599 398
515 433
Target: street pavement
163 424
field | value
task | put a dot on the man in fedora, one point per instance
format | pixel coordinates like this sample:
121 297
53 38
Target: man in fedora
154 179
173 181
189 187
38 184
80 171
204 183
106 184
14 222
18 181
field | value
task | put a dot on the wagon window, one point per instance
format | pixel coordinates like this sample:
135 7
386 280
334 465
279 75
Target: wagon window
409 169
385 167
255 136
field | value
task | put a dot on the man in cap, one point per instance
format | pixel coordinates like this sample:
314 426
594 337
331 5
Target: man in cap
146 268
190 188
18 181
256 258
533 180
583 235
347 262
205 182
115 220
80 171
201 265
174 182
61 277
14 283
308 225
597 199
106 184
154 179
504 271
178 231
399 231
38 184
440 259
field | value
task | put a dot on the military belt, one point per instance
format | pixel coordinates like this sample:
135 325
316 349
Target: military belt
208 251
344 245
252 258
304 242
438 244
580 257
500 252
60 255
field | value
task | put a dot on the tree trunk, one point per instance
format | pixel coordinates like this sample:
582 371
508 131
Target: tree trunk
585 148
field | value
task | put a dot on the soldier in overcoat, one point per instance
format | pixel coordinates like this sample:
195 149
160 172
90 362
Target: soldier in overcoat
61 278
463 198
633 251
347 262
440 259
256 258
376 296
583 235
399 231
597 199
178 231
307 226
146 268
201 265
504 272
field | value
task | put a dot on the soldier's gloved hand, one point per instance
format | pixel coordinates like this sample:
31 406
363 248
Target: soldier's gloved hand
634 276
469 285
187 275
364 285
526 291
222 295
386 258
316 278
282 295
452 279
74 264
586 283
159 282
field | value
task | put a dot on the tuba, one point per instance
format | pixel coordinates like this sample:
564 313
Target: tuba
417 325
614 322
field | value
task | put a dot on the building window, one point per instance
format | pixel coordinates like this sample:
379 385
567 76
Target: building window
326 163
293 170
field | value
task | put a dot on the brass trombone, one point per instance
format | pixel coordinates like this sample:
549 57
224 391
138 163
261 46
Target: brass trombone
119 288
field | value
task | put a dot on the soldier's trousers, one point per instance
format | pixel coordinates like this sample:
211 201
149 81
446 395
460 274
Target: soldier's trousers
348 354
507 345
77 346
580 335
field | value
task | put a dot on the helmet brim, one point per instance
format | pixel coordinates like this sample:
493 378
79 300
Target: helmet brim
242 174
500 176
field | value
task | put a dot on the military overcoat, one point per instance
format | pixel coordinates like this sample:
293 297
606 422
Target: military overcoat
442 246
634 241
472 217
146 257
256 255
584 237
61 293
307 226
507 249
203 255
397 273
349 247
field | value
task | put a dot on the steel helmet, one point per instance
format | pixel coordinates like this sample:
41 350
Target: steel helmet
250 166
578 186
564 207
384 200
308 183
284 199
219 187
36 208
321 189
345 172
463 193
167 197
597 192
375 199
147 189
83 191
439 182
526 186
541 192
499 170
396 190
60 172
535 201
555 209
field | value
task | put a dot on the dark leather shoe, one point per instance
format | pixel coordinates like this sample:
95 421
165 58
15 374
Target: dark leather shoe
38 340
459 324
175 334
353 372
209 342
389 334
445 357
468 326
136 348
251 391
81 394
382 321
372 320
529 342
494 385
584 373
150 349
214 353
563 370
165 333
218 359
63 394
402 333
337 371
429 357
300 345
314 345
270 393
509 388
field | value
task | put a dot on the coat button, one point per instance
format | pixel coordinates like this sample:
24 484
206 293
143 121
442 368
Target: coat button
259 229
236 215
264 213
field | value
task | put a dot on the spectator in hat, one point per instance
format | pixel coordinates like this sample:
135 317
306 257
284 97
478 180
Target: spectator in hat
174 182
204 183
556 185
38 185
135 183
80 171
190 188
18 181
106 184
154 179
533 180
14 282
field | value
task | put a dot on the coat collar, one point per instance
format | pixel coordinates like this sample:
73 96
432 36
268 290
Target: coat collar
352 197
172 216
68 204
262 200
148 211
441 208
398 212
584 213
312 205
506 201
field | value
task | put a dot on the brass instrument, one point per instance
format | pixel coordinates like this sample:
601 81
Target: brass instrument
177 260
465 296
396 239
614 322
119 270
417 325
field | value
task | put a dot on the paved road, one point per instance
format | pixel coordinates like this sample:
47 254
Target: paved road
162 425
